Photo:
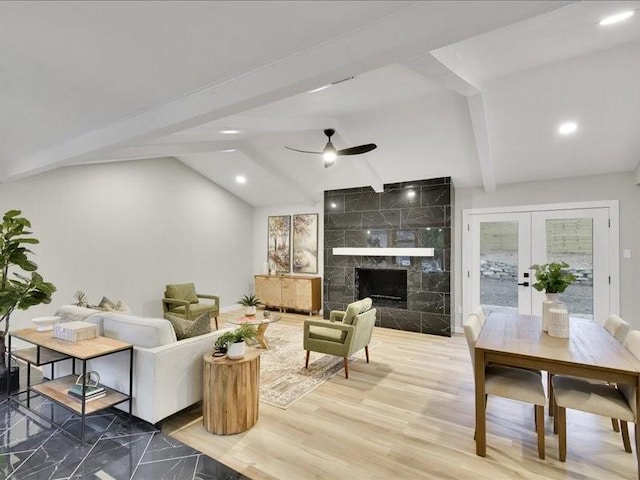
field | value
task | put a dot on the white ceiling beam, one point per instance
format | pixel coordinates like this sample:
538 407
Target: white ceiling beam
483 145
424 26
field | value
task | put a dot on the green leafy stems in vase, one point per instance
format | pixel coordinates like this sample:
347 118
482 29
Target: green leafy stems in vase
233 342
552 277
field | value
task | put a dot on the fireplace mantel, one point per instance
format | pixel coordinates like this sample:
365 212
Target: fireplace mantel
384 252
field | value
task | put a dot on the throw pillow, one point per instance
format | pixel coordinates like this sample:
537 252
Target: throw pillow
190 328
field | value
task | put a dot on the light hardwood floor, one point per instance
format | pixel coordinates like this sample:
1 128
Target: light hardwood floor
409 414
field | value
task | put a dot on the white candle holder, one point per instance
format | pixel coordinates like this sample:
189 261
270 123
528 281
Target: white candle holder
558 322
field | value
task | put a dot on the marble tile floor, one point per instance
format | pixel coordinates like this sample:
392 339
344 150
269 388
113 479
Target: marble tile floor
32 448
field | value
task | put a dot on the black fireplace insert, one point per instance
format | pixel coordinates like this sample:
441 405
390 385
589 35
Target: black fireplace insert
386 287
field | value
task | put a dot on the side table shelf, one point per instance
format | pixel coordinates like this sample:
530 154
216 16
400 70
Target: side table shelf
49 350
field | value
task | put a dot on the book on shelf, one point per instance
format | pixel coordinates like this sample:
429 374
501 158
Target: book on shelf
87 398
89 390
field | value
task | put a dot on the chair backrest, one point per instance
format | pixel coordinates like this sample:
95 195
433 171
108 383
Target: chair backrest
182 291
356 308
479 311
632 343
617 327
472 329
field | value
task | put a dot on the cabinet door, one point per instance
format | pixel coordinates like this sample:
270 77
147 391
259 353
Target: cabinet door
274 292
303 294
289 293
261 289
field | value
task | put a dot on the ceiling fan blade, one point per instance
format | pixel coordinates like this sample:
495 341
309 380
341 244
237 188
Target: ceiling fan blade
357 150
302 151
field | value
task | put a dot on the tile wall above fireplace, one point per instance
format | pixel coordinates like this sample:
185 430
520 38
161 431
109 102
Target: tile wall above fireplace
405 215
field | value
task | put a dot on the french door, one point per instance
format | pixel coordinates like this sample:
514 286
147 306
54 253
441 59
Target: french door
500 248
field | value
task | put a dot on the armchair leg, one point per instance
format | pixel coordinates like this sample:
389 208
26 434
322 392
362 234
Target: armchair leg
614 425
346 367
306 362
366 352
216 319
625 436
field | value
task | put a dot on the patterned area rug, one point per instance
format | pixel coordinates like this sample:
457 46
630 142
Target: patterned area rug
283 378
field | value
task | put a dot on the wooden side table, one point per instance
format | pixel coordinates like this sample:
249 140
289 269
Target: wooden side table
231 392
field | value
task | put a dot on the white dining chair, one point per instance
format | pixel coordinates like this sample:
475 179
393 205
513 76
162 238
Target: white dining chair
617 327
479 312
598 398
513 383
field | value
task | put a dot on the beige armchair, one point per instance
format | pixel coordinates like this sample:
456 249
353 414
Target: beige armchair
344 334
181 300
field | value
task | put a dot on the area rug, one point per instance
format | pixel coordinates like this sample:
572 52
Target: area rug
283 378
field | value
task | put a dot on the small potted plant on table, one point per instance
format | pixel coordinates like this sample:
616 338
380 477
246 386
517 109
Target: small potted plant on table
235 341
250 302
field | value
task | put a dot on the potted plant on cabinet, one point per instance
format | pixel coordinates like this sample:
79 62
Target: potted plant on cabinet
16 289
250 302
235 341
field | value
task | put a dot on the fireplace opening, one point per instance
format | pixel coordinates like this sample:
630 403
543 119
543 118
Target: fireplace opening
387 288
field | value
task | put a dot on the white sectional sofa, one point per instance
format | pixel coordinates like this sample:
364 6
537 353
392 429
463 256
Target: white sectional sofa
167 373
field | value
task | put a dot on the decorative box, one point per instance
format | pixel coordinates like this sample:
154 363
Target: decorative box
75 331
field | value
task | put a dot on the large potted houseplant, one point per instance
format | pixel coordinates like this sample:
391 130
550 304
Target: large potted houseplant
235 341
20 286
250 302
552 279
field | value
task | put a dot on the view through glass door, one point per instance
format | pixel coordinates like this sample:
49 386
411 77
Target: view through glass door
505 245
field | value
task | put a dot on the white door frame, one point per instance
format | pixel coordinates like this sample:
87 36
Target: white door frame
614 245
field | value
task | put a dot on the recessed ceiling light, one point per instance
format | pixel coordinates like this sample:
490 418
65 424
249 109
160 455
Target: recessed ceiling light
229 132
241 179
617 18
228 150
567 128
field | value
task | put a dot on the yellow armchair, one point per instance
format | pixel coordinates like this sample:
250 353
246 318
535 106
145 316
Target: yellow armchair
181 300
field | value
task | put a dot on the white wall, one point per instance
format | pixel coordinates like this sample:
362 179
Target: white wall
618 186
260 228
125 230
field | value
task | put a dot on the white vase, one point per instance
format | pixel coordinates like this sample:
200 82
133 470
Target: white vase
550 302
250 311
558 323
236 350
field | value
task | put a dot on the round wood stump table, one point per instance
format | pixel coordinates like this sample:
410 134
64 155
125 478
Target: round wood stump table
231 392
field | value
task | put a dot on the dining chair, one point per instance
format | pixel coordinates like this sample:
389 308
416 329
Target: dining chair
598 398
479 312
514 383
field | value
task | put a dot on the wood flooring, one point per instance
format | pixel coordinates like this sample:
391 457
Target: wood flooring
409 414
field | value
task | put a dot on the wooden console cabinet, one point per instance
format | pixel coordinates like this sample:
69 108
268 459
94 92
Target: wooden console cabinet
293 292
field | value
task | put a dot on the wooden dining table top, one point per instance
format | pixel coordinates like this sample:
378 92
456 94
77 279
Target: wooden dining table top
589 345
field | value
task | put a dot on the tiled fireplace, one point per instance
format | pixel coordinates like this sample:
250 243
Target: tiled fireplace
407 215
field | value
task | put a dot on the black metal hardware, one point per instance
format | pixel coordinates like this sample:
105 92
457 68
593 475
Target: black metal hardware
524 284
525 274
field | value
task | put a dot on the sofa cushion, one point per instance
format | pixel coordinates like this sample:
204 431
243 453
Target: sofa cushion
327 334
143 332
356 308
190 328
195 309
183 291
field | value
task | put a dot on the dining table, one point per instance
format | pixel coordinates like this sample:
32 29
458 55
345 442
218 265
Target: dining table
514 339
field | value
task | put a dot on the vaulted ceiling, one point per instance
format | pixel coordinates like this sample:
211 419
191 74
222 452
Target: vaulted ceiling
471 90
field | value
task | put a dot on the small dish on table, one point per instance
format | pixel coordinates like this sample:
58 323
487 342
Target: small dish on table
44 324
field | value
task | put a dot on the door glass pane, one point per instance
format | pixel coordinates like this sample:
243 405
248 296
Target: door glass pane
571 241
499 265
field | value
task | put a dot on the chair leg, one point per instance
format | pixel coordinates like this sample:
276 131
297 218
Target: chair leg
555 418
540 429
306 362
366 352
346 367
614 425
561 414
216 318
550 390
625 436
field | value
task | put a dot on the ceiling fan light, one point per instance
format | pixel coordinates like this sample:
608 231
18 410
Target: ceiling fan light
328 162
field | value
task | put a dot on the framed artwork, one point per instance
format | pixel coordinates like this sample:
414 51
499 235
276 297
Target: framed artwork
305 243
279 250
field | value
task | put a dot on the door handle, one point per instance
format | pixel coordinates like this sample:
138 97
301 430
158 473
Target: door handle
524 284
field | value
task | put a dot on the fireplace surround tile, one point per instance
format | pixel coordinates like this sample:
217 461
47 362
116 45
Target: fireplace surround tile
363 218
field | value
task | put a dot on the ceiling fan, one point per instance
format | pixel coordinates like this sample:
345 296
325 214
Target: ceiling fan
329 152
